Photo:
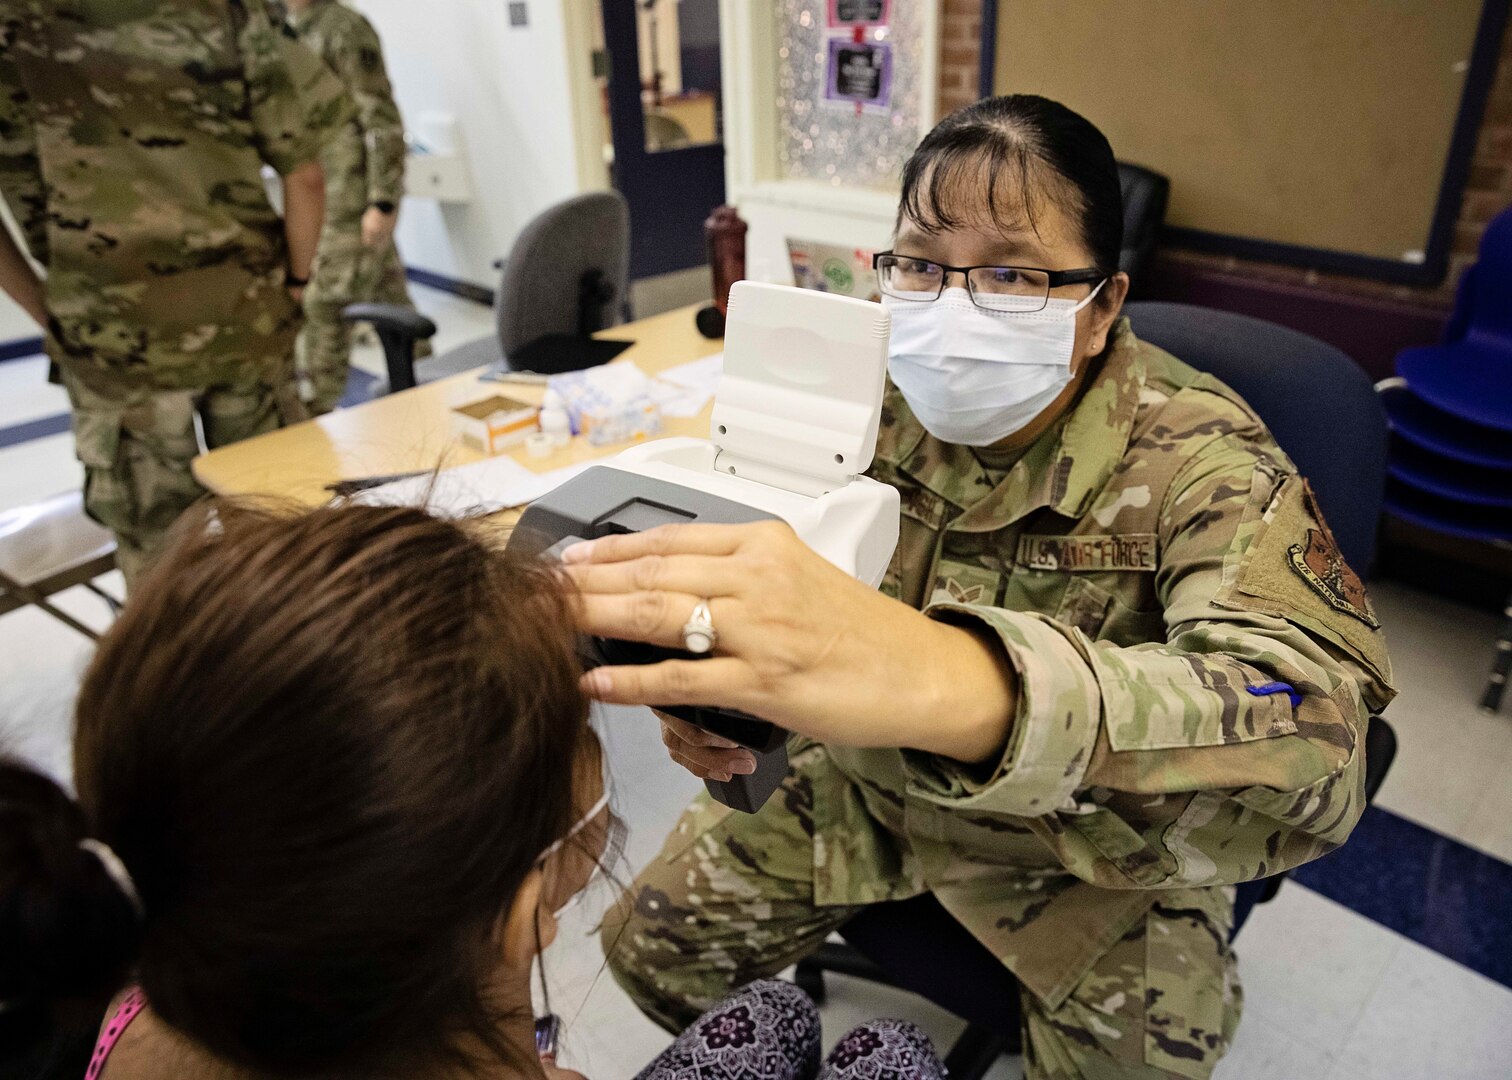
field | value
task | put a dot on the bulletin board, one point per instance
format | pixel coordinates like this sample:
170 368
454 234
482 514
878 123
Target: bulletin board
1335 135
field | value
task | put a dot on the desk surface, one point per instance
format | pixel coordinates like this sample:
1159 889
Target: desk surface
411 430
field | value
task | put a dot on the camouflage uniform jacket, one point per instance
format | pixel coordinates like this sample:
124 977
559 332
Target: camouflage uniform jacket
132 139
365 164
1196 669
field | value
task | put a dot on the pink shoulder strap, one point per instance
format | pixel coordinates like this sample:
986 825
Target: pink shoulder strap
131 1005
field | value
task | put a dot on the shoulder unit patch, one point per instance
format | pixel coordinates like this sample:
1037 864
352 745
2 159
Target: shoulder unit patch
1321 565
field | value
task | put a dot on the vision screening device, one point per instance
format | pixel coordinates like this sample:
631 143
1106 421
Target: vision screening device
794 427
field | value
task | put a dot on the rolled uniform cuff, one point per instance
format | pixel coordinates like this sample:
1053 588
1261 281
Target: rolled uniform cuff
1054 729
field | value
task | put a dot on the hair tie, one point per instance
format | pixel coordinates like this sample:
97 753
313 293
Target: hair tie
116 870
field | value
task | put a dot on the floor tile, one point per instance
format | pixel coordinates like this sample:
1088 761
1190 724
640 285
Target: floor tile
1344 1071
1430 1017
38 469
856 1001
1266 1050
25 393
458 320
1309 965
1450 753
41 662
1488 826
1429 888
15 323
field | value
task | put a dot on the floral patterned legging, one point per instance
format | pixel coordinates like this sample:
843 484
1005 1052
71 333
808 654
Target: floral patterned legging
770 1031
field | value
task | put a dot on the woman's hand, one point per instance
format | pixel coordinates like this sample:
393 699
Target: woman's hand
378 226
703 753
801 644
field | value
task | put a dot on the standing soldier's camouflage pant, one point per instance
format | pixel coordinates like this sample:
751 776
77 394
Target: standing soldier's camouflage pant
136 445
347 272
730 899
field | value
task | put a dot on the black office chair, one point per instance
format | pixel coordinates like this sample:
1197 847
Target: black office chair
1315 399
1145 196
567 277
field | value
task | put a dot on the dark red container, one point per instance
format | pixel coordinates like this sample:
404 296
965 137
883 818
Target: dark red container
726 233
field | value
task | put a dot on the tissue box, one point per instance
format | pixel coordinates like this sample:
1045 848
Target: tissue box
495 423
639 419
609 404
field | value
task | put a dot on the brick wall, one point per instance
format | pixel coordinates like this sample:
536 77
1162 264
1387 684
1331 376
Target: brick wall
960 53
1487 193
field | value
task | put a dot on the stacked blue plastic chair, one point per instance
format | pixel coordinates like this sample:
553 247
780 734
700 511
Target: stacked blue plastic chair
1450 407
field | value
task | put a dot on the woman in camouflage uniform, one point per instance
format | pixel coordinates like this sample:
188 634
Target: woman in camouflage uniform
132 141
1117 663
364 166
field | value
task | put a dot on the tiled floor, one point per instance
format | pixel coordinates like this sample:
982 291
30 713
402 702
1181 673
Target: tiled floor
1331 995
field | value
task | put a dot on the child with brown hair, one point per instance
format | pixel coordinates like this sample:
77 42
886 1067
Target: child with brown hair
335 779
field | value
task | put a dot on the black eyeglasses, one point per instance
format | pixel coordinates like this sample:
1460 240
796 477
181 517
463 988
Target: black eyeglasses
992 288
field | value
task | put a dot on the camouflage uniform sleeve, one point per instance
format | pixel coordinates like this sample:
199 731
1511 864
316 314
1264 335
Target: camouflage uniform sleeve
1231 750
21 182
359 62
297 102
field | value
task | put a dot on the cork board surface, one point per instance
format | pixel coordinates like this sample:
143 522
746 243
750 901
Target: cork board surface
1323 125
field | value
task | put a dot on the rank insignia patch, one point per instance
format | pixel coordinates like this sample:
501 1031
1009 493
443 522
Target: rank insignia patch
1322 567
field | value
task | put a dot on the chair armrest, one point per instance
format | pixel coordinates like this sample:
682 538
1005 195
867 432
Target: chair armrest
405 321
398 329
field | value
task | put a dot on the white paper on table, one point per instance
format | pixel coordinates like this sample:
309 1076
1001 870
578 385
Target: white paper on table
696 373
484 487
680 403
687 388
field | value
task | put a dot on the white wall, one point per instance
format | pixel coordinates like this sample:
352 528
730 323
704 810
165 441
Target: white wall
509 91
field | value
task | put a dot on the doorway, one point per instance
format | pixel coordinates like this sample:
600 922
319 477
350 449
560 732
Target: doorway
660 69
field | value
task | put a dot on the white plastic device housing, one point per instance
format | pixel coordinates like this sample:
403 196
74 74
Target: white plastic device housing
795 423
801 396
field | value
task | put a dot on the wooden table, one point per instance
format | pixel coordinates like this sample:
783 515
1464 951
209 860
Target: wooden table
411 430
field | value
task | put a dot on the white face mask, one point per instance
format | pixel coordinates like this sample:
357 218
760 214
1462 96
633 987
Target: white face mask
974 377
582 823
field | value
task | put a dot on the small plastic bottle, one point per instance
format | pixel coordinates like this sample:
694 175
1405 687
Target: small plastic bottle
554 420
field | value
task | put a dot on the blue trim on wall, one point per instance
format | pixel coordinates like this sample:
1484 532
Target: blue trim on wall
34 429
1425 886
465 289
15 350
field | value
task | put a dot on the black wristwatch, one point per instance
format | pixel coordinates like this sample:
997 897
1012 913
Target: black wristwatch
292 282
383 206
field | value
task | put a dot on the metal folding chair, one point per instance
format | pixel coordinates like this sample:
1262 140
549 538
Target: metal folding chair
51 546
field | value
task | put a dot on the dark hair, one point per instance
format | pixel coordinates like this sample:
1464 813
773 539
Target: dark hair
329 748
67 931
1007 154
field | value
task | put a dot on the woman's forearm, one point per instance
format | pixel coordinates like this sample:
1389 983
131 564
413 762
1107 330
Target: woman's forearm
800 642
971 698
19 281
304 216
